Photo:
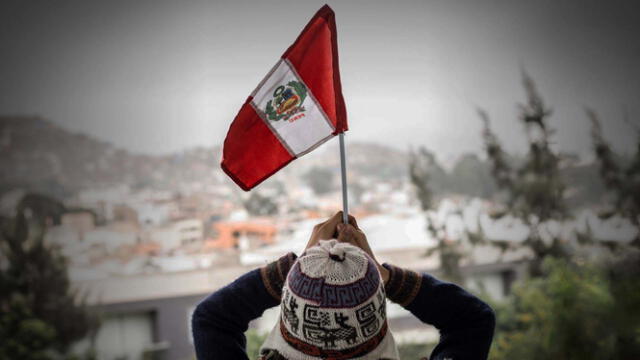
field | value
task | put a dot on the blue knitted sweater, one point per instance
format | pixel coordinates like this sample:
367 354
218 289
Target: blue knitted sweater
465 323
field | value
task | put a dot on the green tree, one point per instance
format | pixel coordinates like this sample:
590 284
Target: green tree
621 181
470 176
575 311
40 313
532 191
260 205
254 341
22 334
423 172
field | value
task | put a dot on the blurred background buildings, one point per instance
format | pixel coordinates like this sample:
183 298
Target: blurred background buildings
116 186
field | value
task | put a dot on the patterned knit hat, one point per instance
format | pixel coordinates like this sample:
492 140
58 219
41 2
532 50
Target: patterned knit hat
332 307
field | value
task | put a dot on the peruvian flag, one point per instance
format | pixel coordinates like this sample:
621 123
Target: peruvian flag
295 108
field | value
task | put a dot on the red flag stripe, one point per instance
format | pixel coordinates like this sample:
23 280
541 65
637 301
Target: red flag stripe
313 97
309 60
251 151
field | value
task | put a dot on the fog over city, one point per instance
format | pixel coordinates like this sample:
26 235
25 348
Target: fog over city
491 144
161 76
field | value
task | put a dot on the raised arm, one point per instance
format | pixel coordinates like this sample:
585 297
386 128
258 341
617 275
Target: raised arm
466 323
220 321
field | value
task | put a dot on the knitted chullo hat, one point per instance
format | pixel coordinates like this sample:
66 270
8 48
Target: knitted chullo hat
332 307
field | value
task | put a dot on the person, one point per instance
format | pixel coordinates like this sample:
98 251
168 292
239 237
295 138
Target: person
332 301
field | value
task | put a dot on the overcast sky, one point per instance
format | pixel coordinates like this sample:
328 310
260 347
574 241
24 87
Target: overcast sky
156 76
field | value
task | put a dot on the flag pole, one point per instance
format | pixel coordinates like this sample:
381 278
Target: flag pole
343 168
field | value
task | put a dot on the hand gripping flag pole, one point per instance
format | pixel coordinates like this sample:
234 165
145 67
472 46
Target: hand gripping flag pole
343 170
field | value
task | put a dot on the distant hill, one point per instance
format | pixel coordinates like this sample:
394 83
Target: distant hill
363 158
38 155
42 155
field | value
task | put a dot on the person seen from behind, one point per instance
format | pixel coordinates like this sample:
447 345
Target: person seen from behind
332 306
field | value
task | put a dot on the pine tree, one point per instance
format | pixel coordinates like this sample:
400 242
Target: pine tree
40 313
623 182
422 169
533 191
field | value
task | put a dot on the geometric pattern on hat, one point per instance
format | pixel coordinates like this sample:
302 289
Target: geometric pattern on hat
348 353
333 295
333 304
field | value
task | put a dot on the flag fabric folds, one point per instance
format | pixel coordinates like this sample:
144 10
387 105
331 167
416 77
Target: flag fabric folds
295 108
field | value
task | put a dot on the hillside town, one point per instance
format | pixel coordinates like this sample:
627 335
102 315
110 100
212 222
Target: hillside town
145 247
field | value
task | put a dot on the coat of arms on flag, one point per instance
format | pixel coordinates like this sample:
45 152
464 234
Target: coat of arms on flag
288 100
295 108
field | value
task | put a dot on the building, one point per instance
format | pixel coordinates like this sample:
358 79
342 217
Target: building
177 234
242 235
80 221
151 313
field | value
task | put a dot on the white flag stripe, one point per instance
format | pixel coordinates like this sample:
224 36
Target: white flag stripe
255 91
304 130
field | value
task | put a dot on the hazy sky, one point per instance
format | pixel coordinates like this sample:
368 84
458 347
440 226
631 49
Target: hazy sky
157 76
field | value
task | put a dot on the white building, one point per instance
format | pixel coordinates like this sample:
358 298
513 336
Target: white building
178 233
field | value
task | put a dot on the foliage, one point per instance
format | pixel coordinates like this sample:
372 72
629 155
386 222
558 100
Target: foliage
254 341
423 169
500 164
420 167
40 313
622 181
260 205
574 304
472 177
22 335
535 189
573 312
